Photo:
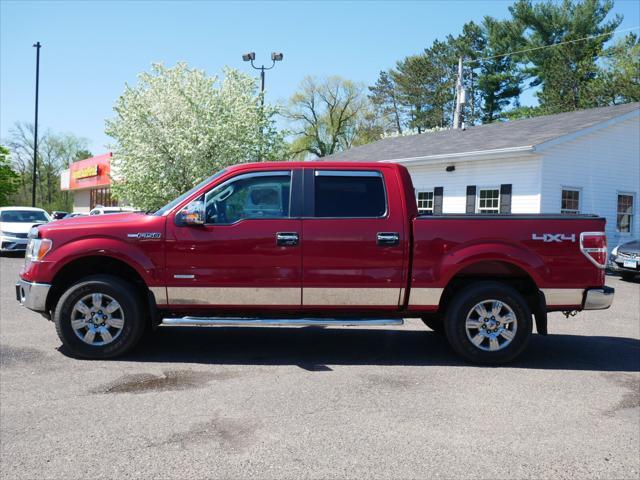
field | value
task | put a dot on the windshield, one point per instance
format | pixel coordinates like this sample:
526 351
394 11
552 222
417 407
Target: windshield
175 202
23 216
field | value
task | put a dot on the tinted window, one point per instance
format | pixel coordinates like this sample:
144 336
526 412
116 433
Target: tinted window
23 216
349 196
249 196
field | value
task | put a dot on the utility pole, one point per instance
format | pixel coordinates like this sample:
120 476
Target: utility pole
457 115
35 126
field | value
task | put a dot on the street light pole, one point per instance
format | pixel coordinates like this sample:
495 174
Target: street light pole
250 57
35 126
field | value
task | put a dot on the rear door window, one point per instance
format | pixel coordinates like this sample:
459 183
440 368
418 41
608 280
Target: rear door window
349 194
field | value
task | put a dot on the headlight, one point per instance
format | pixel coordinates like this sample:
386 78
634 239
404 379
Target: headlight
37 248
614 252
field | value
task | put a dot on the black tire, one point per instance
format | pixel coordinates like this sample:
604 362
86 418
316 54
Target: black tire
628 276
121 291
462 305
435 323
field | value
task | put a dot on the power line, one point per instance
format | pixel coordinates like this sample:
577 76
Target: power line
552 45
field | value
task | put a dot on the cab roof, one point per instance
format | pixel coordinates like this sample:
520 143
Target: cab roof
315 164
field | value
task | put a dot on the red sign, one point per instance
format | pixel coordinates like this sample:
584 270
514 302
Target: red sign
91 172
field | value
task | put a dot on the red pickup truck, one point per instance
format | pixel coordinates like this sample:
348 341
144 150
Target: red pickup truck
312 243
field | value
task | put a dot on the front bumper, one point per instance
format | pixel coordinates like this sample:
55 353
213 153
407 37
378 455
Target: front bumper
32 295
598 298
617 266
13 244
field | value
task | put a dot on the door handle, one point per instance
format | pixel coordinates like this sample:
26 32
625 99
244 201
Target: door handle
388 239
287 239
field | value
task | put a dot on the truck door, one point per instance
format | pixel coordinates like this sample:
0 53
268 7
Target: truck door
247 255
353 240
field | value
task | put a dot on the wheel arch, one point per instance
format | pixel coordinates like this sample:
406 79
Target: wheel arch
85 266
502 271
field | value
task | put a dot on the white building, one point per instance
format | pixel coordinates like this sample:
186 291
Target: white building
587 161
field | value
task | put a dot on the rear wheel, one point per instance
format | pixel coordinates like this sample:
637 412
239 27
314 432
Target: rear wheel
488 323
99 317
628 276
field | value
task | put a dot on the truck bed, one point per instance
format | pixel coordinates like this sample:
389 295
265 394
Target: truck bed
541 247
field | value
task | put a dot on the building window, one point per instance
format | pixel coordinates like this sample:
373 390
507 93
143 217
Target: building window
624 212
488 200
425 203
570 204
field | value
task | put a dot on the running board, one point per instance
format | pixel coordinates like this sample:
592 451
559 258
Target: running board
273 322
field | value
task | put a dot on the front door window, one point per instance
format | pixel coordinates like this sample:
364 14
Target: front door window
250 196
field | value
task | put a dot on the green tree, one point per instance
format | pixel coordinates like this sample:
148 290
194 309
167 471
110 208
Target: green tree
619 79
82 155
178 125
384 98
55 152
565 73
328 115
9 179
411 78
499 78
426 85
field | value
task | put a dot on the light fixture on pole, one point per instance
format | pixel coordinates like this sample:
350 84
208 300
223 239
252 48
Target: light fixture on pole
251 56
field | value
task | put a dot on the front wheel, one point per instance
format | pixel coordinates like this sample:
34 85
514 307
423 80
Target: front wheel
488 323
99 317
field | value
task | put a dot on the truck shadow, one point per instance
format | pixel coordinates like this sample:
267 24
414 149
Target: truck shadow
314 349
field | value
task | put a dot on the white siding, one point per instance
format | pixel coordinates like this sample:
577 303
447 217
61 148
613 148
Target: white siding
81 201
522 173
601 164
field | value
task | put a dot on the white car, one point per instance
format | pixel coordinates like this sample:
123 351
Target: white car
107 210
15 223
75 214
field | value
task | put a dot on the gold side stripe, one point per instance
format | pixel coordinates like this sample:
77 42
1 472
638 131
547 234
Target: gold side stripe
233 296
161 295
350 296
425 296
563 296
326 296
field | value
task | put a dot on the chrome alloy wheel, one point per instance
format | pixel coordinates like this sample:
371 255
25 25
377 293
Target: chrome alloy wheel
97 319
491 325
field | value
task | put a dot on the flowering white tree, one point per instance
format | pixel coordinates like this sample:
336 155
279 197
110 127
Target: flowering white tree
177 126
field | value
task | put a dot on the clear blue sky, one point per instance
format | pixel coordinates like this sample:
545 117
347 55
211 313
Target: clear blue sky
90 49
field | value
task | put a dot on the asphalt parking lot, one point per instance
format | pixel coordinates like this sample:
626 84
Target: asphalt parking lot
321 403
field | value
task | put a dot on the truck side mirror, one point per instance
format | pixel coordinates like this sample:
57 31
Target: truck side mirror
192 214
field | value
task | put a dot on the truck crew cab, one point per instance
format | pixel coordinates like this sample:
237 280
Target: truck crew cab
300 243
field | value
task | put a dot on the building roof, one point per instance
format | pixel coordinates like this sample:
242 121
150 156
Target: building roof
499 136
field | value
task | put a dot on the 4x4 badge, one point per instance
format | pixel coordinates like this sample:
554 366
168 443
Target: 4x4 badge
144 235
554 237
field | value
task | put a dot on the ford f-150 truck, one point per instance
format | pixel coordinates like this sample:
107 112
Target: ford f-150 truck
312 243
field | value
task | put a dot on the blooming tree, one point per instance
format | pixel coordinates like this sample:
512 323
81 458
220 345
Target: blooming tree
177 126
